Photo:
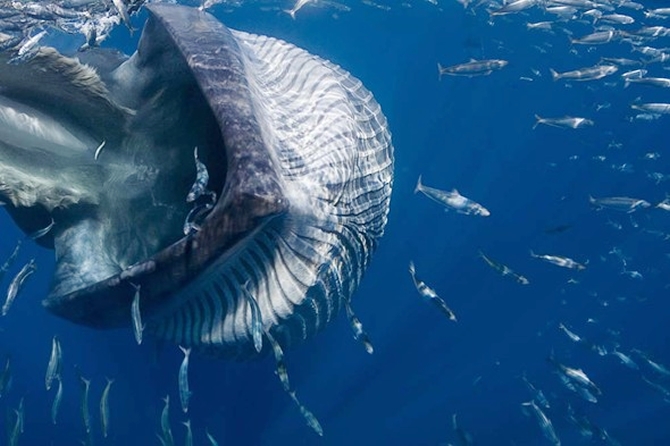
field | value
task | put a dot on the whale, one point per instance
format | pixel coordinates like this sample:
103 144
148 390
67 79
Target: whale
292 157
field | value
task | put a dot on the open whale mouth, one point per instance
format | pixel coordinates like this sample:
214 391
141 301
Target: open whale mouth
299 163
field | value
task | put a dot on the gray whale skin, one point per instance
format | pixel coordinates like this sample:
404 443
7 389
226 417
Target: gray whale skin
297 150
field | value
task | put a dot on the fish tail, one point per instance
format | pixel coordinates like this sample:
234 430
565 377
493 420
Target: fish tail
418 185
626 83
554 75
412 270
186 351
538 119
439 71
290 12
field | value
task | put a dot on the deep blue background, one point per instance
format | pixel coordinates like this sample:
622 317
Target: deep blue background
474 134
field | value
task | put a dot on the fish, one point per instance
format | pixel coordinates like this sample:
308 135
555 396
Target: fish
452 200
165 422
16 430
662 82
544 422
503 269
121 217
625 359
98 150
201 180
357 327
104 408
617 19
585 74
10 260
658 368
85 415
514 7
566 122
307 415
538 395
211 439
57 400
16 284
281 370
184 392
54 366
564 262
430 294
473 67
621 204
123 13
575 376
573 337
42 232
20 412
136 316
256 320
6 377
28 49
188 441
596 38
653 107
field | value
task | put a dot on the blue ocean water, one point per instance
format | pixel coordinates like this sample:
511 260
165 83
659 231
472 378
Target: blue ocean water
474 134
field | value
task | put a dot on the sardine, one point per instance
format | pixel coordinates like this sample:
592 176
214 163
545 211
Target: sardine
184 392
625 359
585 74
452 200
544 422
42 232
136 316
6 377
281 370
662 82
503 269
464 436
211 439
538 395
201 179
21 414
514 7
16 430
165 422
54 367
104 408
85 415
17 283
597 38
430 294
653 107
566 122
573 337
308 416
356 325
10 260
256 319
621 204
472 68
564 262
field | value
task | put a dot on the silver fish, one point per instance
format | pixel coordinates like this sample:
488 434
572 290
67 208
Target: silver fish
472 68
308 415
544 422
452 200
621 204
573 337
597 38
564 262
10 260
42 232
136 317
201 179
566 122
659 368
617 19
96 155
85 415
165 422
538 395
54 367
6 377
17 283
28 49
296 7
514 7
211 439
278 353
123 13
464 436
585 74
652 81
256 319
16 430
503 269
57 399
576 376
104 408
625 359
21 414
653 107
184 392
430 294
356 325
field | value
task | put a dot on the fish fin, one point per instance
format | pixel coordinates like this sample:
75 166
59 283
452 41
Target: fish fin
554 75
290 12
532 253
186 351
418 185
412 270
626 83
440 69
455 191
